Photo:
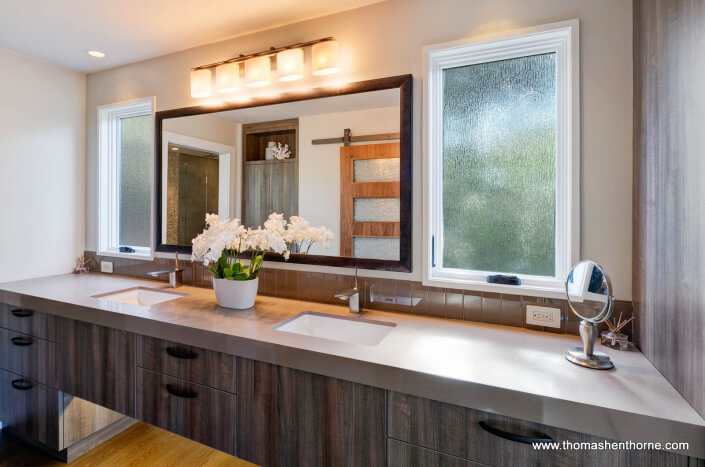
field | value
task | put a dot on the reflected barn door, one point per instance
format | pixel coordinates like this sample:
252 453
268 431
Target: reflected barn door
369 201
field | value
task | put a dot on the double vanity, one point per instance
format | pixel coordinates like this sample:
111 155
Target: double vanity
304 383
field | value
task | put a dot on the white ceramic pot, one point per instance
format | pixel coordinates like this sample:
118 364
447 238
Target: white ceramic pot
239 295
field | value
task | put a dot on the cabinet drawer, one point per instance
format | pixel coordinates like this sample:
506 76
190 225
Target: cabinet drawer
203 414
30 408
27 321
206 367
28 356
401 454
457 431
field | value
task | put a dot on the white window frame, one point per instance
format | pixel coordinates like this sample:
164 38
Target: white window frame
108 176
561 39
226 157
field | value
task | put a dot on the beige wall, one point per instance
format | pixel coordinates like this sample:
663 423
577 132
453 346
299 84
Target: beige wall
386 39
42 162
205 127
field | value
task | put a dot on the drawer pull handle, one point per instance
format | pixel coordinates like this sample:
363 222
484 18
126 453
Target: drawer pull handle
21 313
182 354
22 384
171 389
22 341
515 437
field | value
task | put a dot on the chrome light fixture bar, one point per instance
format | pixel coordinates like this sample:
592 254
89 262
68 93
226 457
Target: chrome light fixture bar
289 67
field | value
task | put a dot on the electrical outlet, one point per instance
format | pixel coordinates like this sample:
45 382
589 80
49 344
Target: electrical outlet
106 266
543 316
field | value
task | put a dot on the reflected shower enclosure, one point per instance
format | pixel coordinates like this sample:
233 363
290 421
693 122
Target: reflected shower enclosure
192 191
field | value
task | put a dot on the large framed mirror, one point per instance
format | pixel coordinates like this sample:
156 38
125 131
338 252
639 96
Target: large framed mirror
337 157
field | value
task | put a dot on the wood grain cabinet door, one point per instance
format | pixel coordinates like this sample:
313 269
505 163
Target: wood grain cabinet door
97 364
287 417
30 408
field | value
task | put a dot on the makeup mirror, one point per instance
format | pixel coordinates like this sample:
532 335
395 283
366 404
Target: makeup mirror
590 297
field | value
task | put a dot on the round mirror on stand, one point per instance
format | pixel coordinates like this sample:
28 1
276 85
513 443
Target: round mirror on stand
590 297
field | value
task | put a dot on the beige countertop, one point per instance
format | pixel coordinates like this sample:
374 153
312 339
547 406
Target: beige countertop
513 372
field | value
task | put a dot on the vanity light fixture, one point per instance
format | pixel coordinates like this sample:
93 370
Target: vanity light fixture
258 67
227 78
325 58
257 71
201 85
290 64
95 53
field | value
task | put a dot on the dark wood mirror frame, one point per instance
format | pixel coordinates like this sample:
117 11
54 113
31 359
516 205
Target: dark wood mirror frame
402 82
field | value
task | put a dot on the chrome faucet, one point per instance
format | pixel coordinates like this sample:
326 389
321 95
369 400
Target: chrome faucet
175 276
354 296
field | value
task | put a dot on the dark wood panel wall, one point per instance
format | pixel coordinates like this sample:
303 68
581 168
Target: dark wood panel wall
669 190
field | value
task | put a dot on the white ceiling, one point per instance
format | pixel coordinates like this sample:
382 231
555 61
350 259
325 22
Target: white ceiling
59 31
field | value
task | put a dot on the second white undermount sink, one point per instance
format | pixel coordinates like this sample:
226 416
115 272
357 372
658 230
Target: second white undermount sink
141 296
337 328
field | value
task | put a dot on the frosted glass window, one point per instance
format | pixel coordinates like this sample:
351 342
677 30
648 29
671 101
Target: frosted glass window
376 170
377 248
135 180
499 166
376 209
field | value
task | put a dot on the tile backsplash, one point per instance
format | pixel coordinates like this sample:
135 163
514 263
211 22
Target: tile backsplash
393 295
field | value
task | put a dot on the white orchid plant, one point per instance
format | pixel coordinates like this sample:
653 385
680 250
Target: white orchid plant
222 242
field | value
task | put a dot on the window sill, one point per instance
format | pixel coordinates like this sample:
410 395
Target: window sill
144 256
478 286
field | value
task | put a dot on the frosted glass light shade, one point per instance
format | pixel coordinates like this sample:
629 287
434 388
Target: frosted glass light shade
201 85
290 64
257 71
325 58
227 78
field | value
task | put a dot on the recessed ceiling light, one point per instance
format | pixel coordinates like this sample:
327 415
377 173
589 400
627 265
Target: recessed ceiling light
95 53
174 149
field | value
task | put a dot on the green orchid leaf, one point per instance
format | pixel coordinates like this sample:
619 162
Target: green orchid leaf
242 276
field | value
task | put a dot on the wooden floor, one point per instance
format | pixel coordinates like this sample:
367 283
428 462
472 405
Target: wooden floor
139 445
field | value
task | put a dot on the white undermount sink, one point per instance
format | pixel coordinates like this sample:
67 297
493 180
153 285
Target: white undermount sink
337 328
141 296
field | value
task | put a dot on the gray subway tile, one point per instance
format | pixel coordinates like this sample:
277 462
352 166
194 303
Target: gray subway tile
472 307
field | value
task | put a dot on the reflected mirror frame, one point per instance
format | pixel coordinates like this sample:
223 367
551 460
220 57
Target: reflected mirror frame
401 82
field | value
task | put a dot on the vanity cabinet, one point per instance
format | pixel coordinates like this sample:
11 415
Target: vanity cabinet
31 403
290 417
470 435
97 364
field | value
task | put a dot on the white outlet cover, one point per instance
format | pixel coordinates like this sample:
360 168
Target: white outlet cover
543 316
106 266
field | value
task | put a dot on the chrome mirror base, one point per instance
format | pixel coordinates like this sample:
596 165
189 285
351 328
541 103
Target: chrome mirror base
596 361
